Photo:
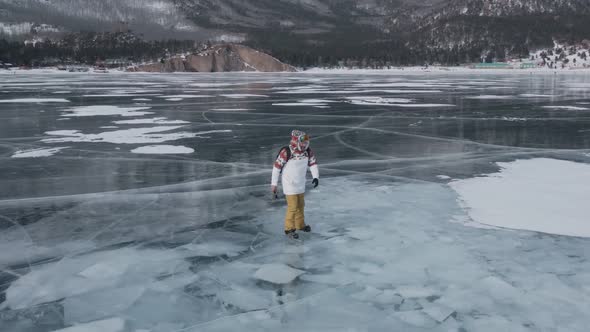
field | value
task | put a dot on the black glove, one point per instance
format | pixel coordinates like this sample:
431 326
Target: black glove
315 182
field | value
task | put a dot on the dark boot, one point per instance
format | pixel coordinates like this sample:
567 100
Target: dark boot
292 234
307 229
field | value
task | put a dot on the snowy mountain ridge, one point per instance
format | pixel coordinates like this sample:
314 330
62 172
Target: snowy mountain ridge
157 17
320 32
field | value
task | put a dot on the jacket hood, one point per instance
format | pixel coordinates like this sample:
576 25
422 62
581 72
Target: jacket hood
299 140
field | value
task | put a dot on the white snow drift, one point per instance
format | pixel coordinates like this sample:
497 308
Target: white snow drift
163 149
544 195
37 153
129 136
104 110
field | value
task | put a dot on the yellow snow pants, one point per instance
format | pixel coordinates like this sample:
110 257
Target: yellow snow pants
295 218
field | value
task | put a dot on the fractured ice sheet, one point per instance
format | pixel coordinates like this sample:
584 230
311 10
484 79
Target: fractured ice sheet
211 243
544 195
127 136
416 318
393 264
404 85
100 304
330 310
107 325
437 312
92 273
103 110
277 273
381 228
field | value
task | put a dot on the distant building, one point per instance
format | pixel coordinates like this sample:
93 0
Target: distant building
491 65
527 65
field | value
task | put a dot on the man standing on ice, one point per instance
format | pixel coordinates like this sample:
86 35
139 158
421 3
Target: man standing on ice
292 162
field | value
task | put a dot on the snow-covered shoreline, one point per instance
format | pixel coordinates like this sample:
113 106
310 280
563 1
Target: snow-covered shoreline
410 70
445 70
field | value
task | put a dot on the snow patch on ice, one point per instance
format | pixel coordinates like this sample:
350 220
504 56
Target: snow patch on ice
37 153
378 101
543 195
163 149
34 100
243 95
532 95
91 273
230 109
184 96
485 97
296 104
159 120
128 136
567 108
104 110
107 95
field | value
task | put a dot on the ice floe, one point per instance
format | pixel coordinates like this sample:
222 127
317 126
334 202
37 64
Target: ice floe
107 325
277 273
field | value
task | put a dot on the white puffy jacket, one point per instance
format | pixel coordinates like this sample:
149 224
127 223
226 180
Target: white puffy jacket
294 170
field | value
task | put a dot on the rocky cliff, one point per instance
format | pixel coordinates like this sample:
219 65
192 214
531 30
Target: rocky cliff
219 58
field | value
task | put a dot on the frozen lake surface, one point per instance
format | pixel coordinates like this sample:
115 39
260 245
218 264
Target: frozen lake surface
448 202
